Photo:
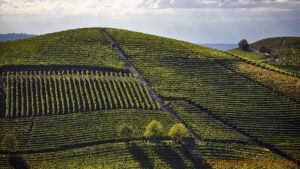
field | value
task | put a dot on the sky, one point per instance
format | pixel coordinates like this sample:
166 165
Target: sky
197 21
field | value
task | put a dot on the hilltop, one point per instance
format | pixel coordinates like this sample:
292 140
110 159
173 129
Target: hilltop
283 53
65 96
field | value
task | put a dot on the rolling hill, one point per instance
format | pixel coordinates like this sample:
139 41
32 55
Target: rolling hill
283 54
65 95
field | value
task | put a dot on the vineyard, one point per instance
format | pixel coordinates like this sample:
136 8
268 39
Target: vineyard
74 47
196 74
115 155
52 132
42 93
66 96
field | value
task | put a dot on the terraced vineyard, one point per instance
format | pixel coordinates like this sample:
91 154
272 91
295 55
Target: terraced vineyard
66 96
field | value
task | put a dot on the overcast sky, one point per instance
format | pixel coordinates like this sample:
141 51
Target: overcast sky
198 21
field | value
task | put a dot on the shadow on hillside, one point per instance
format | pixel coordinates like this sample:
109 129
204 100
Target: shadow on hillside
140 156
198 162
228 141
167 154
18 163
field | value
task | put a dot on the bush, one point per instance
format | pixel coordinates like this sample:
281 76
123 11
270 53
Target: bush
154 130
244 45
125 131
9 140
178 131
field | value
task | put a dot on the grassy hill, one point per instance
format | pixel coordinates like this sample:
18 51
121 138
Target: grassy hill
65 95
283 55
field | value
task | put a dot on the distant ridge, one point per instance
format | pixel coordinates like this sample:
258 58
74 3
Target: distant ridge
221 46
14 36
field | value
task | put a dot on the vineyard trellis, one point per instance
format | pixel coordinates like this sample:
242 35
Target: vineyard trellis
42 93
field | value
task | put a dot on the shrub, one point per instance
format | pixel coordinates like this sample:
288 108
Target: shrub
178 131
244 45
9 140
125 131
154 130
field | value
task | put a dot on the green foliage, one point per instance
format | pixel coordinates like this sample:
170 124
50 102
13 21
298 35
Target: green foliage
125 131
9 140
264 49
243 44
154 130
178 131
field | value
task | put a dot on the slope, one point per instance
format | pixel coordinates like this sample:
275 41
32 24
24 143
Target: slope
229 114
179 70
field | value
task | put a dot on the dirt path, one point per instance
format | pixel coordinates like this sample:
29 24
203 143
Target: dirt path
153 93
191 149
282 43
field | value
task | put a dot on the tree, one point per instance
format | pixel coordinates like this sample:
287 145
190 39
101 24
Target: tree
244 45
178 131
264 49
125 131
9 140
154 130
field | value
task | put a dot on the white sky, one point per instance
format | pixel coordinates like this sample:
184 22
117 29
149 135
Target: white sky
199 21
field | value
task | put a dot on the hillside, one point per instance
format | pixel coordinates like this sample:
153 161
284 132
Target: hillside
283 53
65 95
14 36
